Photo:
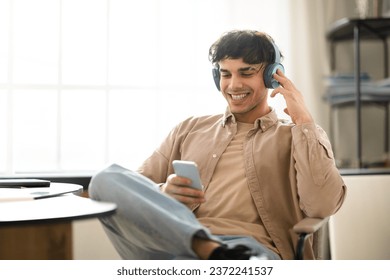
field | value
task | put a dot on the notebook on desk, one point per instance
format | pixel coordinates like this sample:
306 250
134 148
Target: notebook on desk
22 194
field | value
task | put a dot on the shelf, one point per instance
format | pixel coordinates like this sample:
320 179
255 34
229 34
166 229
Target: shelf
357 92
343 93
345 99
370 28
364 171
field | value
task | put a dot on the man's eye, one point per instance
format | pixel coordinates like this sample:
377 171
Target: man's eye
247 74
225 75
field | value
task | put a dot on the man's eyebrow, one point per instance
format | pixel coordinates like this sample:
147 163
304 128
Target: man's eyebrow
249 68
243 69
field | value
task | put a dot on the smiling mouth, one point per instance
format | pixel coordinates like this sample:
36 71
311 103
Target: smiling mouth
238 97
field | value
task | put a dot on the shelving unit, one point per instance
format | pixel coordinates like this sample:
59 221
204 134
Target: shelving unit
358 30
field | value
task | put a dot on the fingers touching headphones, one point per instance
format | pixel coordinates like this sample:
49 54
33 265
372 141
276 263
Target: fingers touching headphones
296 107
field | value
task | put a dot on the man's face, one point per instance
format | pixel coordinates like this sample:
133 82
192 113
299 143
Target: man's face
243 87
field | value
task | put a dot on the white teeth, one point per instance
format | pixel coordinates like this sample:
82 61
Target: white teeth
238 96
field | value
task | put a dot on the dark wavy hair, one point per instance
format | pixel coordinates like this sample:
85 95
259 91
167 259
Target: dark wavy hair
252 46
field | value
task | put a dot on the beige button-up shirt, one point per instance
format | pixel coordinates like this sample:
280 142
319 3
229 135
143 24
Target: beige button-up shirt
290 169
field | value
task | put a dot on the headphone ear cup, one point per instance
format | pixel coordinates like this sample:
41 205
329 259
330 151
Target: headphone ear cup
217 78
269 71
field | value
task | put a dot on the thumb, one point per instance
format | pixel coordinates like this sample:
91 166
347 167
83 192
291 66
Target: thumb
274 92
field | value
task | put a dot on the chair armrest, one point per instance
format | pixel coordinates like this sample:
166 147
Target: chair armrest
305 228
309 225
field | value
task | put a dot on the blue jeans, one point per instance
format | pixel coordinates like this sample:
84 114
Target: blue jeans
149 224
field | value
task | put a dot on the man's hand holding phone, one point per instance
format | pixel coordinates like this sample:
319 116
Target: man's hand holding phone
185 184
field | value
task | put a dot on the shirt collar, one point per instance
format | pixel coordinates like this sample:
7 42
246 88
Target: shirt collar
263 123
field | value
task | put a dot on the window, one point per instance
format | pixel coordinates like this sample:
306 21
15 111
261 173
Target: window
84 83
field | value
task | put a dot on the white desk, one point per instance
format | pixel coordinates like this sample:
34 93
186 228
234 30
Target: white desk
42 228
63 207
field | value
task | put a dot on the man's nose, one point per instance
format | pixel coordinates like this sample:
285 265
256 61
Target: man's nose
235 82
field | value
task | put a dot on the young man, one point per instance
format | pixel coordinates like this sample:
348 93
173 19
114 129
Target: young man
260 175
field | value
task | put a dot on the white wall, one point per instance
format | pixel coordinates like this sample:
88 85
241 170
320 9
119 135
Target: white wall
90 242
361 228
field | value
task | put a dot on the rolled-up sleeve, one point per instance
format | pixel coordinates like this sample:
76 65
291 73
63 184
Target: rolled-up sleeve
321 188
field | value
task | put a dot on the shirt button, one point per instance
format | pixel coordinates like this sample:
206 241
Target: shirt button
214 155
305 130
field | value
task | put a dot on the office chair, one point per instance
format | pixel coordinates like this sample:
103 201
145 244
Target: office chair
316 227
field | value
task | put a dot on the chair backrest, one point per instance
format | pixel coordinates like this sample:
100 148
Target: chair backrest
321 244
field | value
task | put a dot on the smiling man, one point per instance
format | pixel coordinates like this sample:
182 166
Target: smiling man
260 175
247 98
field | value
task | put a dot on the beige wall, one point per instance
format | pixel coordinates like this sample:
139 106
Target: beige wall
90 242
361 228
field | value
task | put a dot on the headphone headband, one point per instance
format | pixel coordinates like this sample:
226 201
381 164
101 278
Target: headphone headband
277 53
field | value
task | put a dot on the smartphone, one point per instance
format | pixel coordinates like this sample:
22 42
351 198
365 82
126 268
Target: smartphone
188 169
